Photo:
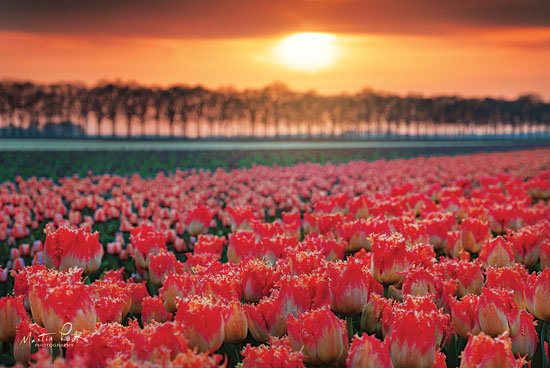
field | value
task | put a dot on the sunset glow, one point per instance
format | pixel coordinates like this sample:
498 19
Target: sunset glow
329 46
307 51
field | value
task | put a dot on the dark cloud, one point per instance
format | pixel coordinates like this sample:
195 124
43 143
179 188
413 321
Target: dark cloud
253 18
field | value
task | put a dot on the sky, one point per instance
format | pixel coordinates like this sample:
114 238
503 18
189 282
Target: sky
499 48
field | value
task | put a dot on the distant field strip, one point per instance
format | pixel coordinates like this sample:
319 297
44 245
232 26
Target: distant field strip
106 145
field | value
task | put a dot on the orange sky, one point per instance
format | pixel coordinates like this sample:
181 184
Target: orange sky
425 48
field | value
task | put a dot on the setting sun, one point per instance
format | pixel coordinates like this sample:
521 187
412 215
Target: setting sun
307 51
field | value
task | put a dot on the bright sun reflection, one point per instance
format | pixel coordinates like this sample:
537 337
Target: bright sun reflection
307 51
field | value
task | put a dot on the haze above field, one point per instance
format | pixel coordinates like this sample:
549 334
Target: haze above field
471 48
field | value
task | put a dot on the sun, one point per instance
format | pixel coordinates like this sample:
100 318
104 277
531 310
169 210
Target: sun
307 51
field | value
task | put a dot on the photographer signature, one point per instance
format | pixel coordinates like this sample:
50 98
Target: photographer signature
66 336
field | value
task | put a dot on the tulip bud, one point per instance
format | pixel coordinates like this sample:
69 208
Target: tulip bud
328 345
257 280
485 351
525 343
497 252
349 289
204 321
267 318
279 353
242 245
68 309
240 218
22 344
236 326
368 352
145 242
389 258
177 286
473 233
545 254
12 311
510 278
371 317
465 316
453 244
139 292
152 309
66 248
161 265
412 340
498 313
537 290
179 244
526 244
198 220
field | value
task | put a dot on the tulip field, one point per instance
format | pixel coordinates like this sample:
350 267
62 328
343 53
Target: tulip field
438 261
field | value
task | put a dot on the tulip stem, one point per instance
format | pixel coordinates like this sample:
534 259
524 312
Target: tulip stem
542 340
386 291
349 320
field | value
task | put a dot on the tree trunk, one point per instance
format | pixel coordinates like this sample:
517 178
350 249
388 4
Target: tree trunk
129 127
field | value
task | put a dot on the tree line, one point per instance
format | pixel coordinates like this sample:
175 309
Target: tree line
131 110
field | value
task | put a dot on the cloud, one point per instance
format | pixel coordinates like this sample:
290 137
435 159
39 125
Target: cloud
260 18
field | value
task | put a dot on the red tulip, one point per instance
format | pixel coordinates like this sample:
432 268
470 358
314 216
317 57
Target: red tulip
109 309
279 353
240 218
161 265
331 248
113 299
68 309
498 313
210 244
473 234
505 216
67 248
545 254
242 245
21 285
302 293
139 292
267 318
419 281
152 309
349 287
198 220
357 233
204 321
526 341
485 351
389 258
320 335
12 312
368 352
511 278
236 325
42 282
412 340
301 263
453 244
526 244
22 344
468 275
465 316
145 242
257 280
537 290
371 317
497 252
177 286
